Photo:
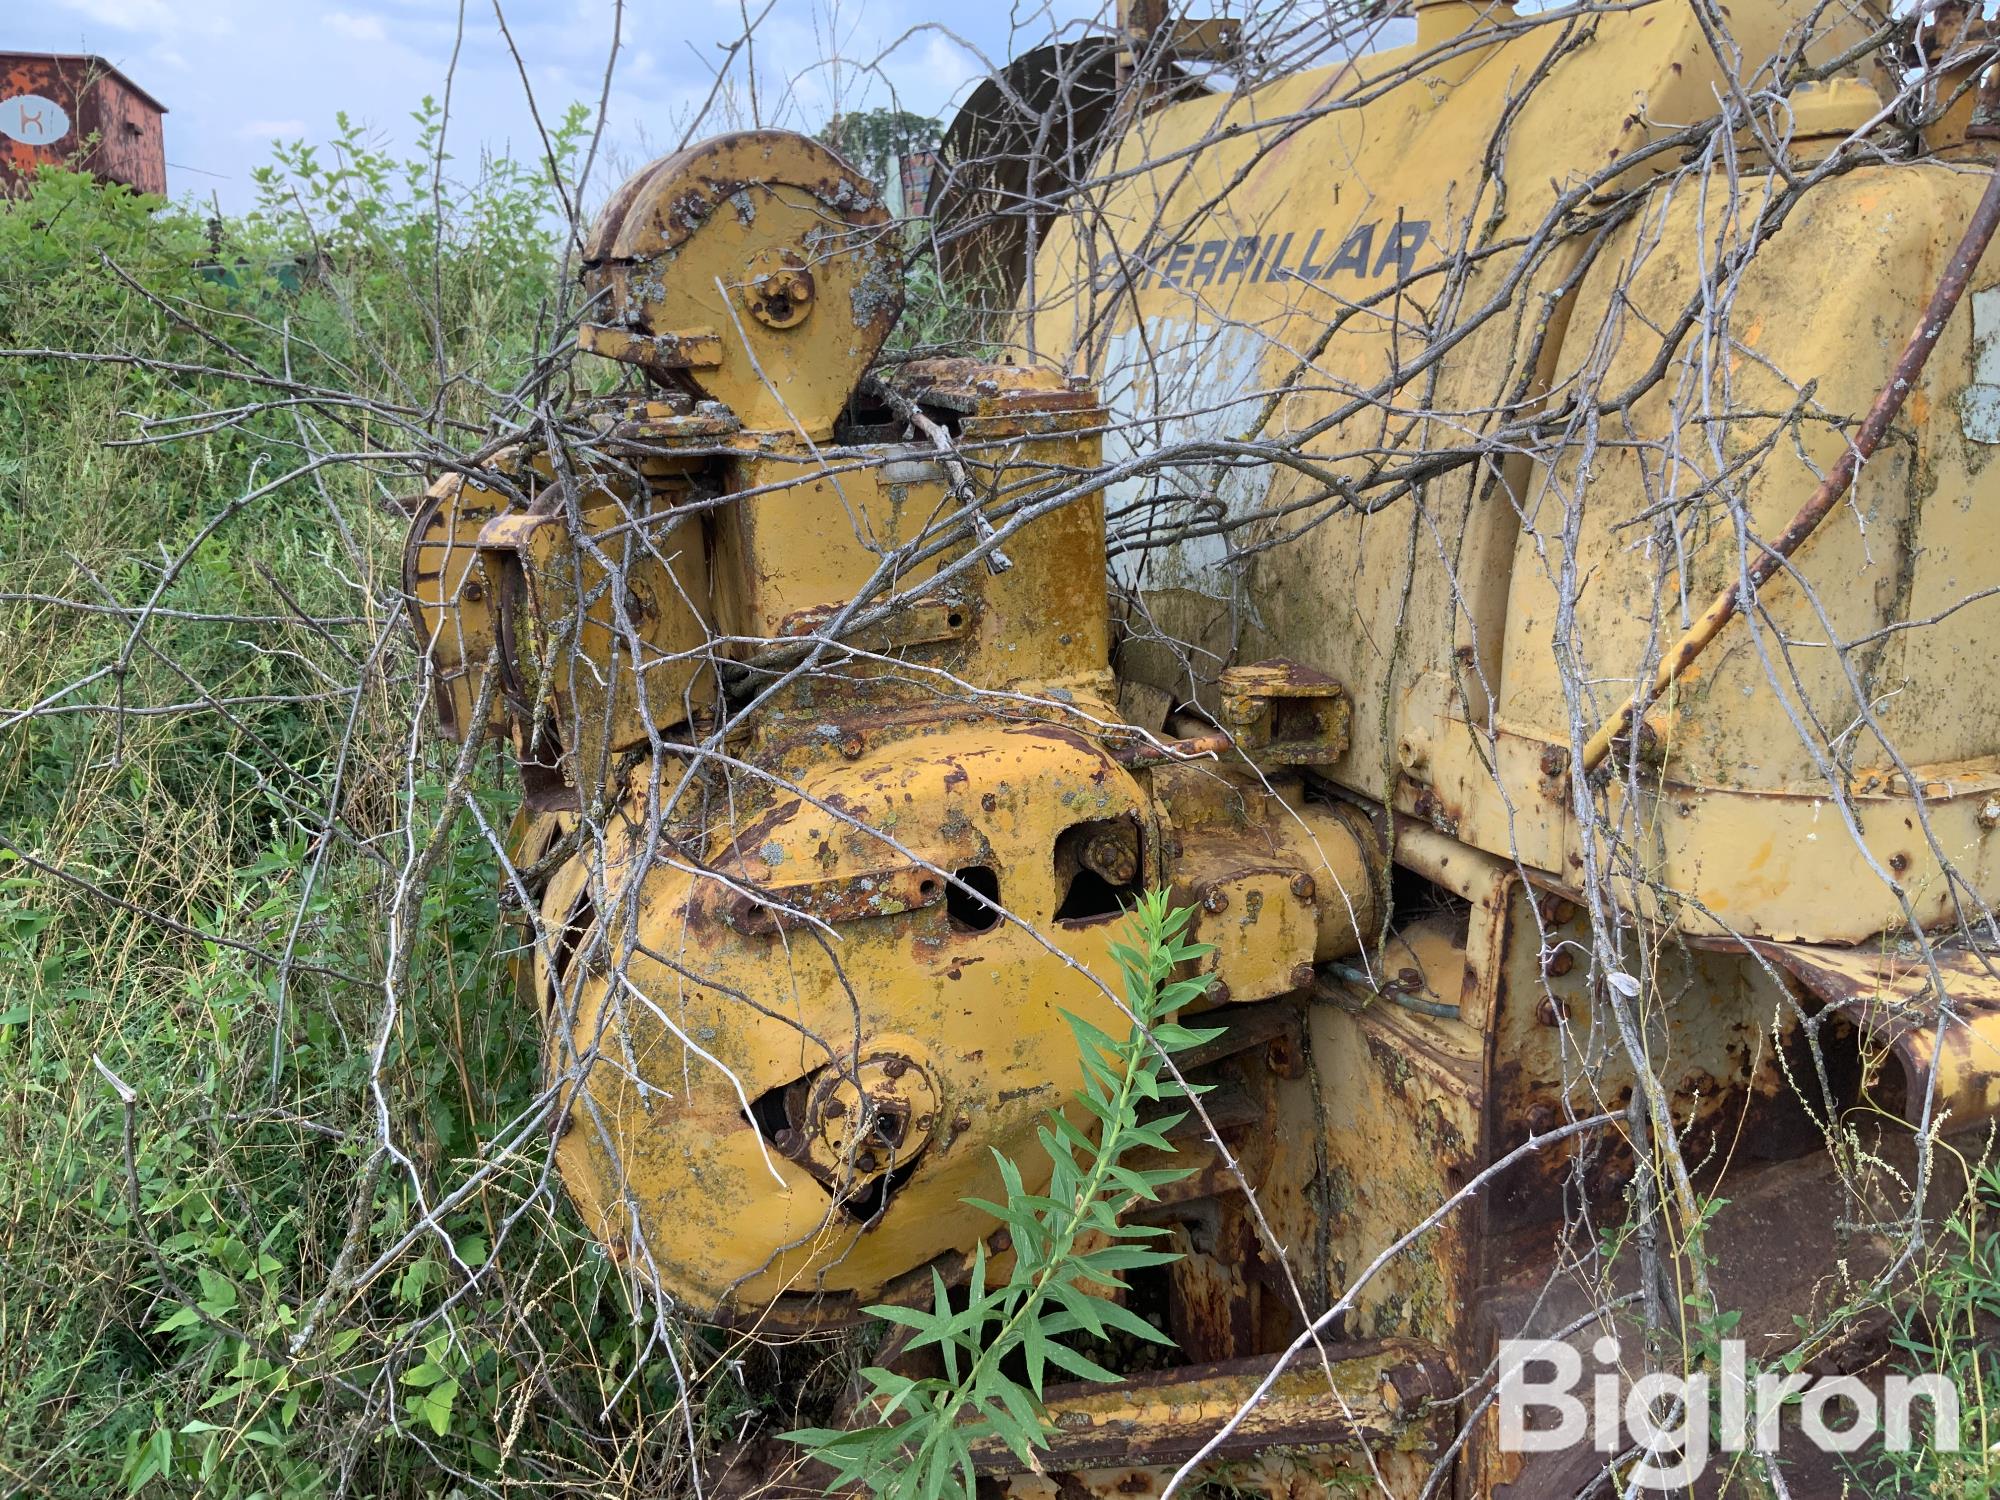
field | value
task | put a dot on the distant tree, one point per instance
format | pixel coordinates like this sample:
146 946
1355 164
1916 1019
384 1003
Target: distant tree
874 140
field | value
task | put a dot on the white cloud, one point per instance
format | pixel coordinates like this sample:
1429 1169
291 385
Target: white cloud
126 15
157 17
356 28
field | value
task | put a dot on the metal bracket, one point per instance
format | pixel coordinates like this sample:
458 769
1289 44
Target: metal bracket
1284 714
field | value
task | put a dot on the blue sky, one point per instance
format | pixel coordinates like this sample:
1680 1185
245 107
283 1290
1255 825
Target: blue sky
238 74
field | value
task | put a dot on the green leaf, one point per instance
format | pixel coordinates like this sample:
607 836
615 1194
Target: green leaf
433 1406
1080 1366
425 1374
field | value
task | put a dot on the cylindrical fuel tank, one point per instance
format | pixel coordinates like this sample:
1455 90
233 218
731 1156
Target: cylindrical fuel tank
1536 399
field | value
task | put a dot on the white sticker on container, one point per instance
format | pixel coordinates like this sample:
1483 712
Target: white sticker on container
1979 409
33 120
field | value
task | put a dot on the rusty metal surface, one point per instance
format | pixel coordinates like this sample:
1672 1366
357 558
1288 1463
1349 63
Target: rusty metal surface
1903 377
1285 714
1181 312
1381 1394
751 268
74 110
451 595
799 1034
1947 1020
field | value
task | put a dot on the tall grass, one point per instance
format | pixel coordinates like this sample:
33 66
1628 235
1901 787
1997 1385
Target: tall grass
201 826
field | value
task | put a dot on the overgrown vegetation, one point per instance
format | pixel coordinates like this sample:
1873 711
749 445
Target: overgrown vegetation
1951 1327
204 612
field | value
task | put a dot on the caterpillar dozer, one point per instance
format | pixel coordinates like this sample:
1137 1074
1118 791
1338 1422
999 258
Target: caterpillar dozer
1499 527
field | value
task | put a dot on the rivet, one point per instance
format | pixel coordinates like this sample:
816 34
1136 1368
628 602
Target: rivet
1215 900
1302 976
1551 1011
1303 887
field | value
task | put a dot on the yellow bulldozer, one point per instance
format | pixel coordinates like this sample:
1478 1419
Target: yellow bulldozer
1497 527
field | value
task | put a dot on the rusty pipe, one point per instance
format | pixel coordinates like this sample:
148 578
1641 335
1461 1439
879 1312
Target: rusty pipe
1725 605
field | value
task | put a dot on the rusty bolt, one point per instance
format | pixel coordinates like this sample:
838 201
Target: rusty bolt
1303 887
1219 992
1392 1399
865 1162
1551 1011
787 1142
1113 854
851 746
1302 975
1552 760
1541 1120
1558 963
924 1122
1989 813
1001 1242
895 1067
961 1122
834 1109
1215 900
473 591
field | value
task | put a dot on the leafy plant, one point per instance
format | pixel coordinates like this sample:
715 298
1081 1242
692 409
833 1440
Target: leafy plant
1070 1250
1948 1327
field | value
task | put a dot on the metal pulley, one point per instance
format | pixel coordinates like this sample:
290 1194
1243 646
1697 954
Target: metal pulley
756 269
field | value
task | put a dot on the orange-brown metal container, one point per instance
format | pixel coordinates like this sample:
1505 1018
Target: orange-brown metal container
73 110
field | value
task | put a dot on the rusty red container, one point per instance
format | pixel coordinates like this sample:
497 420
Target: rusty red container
59 109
